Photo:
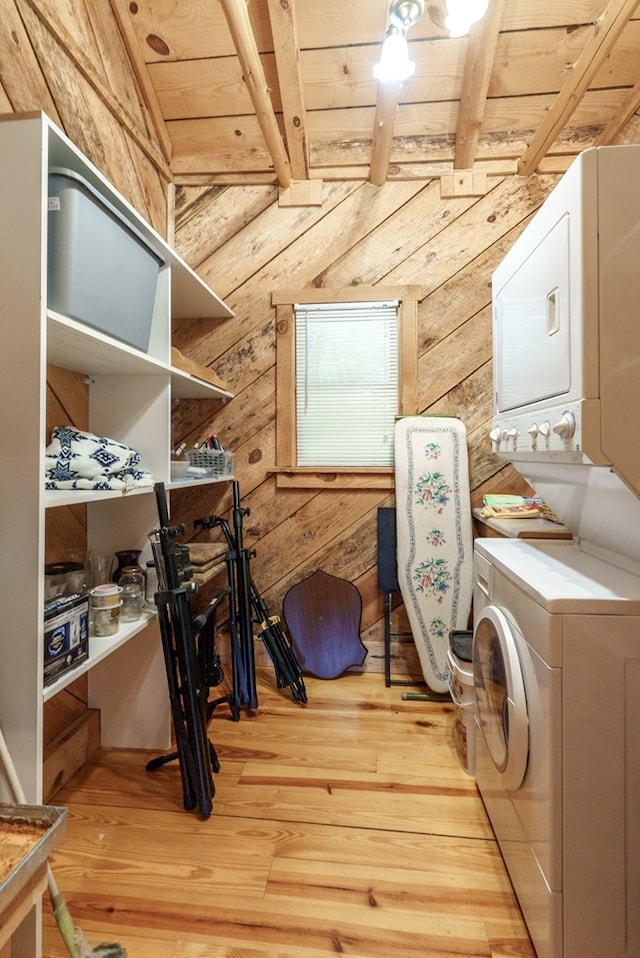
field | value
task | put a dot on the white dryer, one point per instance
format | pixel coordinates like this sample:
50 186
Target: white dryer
557 625
557 686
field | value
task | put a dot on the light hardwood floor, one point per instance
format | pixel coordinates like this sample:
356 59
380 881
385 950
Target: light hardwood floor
343 827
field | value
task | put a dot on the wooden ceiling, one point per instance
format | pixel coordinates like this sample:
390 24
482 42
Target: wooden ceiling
265 91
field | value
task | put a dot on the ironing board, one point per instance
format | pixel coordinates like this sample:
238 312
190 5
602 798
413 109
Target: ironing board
434 537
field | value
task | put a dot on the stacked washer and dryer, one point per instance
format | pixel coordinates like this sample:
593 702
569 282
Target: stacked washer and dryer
556 639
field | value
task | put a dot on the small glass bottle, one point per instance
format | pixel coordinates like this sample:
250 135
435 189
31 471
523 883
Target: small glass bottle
132 585
151 586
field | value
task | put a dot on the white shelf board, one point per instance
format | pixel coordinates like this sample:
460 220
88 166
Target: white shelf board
99 648
185 386
191 298
53 498
75 346
205 481
75 497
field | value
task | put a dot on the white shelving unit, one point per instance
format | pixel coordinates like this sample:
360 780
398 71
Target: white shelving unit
99 648
130 399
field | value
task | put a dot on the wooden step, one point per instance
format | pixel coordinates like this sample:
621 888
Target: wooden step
69 751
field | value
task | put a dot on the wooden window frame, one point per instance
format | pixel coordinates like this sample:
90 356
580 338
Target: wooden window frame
289 474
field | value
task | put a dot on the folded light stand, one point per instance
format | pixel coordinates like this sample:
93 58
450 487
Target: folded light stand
244 597
188 691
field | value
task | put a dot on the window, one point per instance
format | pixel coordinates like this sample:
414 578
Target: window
346 383
346 367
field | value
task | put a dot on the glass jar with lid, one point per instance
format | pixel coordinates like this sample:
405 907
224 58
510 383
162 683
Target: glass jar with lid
132 583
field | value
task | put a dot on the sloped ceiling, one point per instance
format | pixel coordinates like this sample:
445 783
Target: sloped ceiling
272 91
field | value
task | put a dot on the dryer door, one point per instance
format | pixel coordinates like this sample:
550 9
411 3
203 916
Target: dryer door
501 706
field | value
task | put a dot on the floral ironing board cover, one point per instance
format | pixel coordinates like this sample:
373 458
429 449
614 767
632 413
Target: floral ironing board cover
434 538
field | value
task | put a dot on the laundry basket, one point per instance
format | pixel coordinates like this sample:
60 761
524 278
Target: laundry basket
460 681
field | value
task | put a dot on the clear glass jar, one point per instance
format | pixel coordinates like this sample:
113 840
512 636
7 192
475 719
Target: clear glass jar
151 584
132 584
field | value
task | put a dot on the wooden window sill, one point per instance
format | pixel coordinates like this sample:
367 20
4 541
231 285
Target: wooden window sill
337 477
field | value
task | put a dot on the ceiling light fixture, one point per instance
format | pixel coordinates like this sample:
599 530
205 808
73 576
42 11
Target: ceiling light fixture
395 65
462 14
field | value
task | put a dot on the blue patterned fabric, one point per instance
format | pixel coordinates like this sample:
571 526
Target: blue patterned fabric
80 460
434 535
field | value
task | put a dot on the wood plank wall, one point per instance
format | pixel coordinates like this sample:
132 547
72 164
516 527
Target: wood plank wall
245 246
68 60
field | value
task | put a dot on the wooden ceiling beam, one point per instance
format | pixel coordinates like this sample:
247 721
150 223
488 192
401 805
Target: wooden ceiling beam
383 126
122 14
606 31
621 117
287 54
483 39
237 15
235 174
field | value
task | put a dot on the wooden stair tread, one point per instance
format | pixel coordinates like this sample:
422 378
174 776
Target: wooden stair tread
205 575
203 554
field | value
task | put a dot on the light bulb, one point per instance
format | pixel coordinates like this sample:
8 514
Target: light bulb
462 14
457 25
395 65
477 9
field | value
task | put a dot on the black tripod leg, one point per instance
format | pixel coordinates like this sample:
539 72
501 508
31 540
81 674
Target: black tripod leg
240 688
213 758
246 631
211 671
193 704
387 639
181 661
239 603
204 627
286 666
244 598
179 728
161 760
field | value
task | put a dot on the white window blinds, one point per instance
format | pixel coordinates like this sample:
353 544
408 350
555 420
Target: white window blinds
346 383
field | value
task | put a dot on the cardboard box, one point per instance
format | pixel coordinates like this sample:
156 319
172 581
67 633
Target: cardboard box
66 635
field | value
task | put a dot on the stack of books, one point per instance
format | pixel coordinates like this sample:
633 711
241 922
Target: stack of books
511 507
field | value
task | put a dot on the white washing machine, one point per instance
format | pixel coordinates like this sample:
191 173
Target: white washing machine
557 625
557 685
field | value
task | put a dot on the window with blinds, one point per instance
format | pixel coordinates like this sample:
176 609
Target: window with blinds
346 383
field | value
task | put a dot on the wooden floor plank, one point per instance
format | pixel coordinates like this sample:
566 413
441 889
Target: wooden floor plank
345 826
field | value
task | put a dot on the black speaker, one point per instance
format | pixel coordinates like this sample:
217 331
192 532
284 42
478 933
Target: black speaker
387 568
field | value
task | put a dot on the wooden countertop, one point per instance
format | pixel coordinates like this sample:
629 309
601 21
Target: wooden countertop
521 528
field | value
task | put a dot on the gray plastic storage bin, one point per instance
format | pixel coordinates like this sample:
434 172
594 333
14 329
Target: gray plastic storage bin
101 271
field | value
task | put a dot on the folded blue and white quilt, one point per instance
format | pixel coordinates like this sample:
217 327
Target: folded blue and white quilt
81 460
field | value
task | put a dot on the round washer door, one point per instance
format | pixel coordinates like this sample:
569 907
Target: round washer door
501 705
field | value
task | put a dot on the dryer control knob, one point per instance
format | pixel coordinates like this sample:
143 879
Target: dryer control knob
544 429
512 433
566 426
533 430
495 434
